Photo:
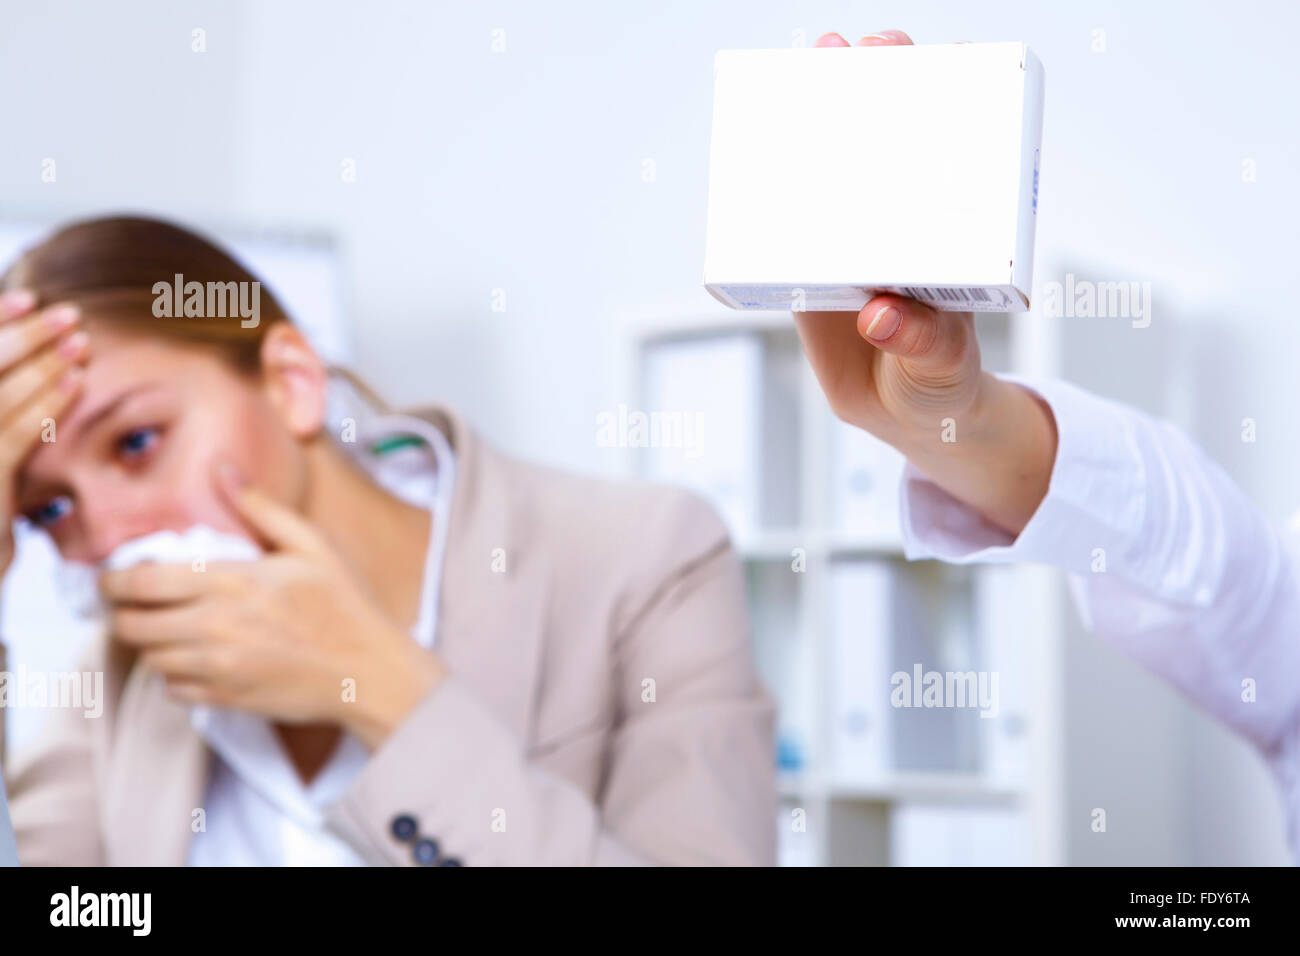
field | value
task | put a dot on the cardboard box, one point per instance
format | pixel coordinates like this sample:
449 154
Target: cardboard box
839 173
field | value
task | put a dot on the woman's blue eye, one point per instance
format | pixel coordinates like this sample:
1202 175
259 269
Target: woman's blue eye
52 512
137 441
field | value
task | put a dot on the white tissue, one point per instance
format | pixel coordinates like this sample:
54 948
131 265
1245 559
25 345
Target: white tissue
198 545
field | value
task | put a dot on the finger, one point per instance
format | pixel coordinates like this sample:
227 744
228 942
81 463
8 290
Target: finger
886 38
156 627
30 376
24 427
183 663
19 338
913 331
16 302
279 525
832 344
161 584
831 39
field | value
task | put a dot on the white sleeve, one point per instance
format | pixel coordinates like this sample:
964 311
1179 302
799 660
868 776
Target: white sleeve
1170 563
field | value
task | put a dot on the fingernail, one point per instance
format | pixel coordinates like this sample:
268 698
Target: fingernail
74 344
62 316
17 300
885 323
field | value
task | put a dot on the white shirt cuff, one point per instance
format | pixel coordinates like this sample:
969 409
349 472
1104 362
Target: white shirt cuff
1096 495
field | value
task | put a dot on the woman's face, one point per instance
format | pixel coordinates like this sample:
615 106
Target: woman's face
136 451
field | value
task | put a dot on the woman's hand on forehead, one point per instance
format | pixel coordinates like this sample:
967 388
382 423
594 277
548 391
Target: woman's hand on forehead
42 358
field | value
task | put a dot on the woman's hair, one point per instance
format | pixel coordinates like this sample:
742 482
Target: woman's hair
110 267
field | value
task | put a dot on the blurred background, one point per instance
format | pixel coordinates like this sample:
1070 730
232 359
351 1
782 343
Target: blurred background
501 206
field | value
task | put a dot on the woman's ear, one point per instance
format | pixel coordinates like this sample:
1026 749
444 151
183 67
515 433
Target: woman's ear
295 379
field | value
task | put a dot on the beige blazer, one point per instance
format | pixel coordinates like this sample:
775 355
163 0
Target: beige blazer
602 701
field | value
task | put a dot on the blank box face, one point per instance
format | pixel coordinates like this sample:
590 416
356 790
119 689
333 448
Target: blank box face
873 167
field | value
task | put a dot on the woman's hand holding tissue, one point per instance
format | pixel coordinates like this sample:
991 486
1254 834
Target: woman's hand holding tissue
912 376
293 636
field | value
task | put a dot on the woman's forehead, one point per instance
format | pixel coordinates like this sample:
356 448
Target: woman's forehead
65 437
122 348
123 367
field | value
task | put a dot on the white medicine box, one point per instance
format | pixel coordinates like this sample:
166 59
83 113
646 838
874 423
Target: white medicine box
839 173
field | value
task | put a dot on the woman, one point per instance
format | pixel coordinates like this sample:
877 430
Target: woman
462 659
1174 564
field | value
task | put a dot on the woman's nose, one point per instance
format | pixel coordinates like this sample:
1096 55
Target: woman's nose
112 521
102 544
106 528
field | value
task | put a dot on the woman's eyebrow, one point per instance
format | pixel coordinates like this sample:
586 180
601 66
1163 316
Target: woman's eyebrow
90 419
80 427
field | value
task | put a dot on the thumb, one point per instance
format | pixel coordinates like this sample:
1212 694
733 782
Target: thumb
914 331
278 525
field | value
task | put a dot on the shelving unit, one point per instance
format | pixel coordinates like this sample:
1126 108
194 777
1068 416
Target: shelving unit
936 785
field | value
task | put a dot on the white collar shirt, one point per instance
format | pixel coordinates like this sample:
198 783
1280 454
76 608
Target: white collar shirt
257 810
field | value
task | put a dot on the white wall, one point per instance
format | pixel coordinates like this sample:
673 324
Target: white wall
523 171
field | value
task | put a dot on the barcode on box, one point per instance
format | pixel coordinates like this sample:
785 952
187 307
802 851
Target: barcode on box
850 298
970 296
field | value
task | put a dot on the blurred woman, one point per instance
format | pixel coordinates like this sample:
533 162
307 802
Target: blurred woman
459 658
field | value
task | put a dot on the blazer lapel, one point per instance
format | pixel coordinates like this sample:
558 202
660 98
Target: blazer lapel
156 774
491 615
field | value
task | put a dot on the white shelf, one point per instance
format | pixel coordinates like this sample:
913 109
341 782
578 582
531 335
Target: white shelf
703 321
864 546
908 787
780 546
848 813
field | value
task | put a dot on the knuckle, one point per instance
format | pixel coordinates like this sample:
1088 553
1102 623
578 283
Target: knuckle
924 338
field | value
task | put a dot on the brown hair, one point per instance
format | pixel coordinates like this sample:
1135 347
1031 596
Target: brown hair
109 267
